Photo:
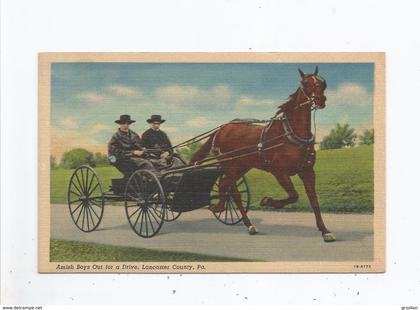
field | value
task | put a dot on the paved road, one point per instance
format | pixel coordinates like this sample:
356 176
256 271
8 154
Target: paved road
283 235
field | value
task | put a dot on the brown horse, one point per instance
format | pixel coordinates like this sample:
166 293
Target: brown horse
284 147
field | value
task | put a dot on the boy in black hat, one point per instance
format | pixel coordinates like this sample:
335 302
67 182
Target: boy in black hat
125 148
158 143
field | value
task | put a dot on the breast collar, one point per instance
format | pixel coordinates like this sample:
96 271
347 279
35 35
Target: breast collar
290 134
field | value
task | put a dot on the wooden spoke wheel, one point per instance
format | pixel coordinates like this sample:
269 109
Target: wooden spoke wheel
85 199
170 215
231 215
145 203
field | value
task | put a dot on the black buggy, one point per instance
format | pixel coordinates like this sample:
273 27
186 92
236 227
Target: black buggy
151 198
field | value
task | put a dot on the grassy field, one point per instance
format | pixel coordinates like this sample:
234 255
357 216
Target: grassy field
344 182
74 251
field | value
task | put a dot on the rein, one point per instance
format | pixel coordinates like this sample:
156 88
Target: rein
223 157
288 132
281 116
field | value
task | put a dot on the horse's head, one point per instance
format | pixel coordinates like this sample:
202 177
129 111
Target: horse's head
313 87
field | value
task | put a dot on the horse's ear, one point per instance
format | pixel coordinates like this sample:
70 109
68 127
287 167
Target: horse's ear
302 75
316 71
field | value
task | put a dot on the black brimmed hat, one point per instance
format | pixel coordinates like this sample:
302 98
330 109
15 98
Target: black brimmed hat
125 119
155 119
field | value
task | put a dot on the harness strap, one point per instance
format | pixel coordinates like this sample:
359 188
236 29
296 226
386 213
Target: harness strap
215 161
213 142
260 145
292 136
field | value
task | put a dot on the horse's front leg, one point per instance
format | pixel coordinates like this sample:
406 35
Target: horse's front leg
307 176
285 182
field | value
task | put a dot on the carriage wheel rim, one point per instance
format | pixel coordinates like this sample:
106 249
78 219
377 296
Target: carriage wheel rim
147 215
174 214
86 211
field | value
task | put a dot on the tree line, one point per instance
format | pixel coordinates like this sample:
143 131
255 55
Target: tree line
79 156
344 136
76 157
340 136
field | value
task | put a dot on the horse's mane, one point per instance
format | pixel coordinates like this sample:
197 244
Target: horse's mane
284 107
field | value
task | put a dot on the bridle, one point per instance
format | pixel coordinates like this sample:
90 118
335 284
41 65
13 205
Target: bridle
279 116
288 130
310 99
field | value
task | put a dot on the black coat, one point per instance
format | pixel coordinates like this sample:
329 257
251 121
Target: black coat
156 139
122 144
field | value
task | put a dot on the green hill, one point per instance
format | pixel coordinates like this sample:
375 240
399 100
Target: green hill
344 182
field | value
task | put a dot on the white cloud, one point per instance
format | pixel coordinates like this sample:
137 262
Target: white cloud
344 119
69 123
92 97
69 137
180 138
65 140
349 94
126 91
97 128
178 94
170 130
111 93
198 122
245 100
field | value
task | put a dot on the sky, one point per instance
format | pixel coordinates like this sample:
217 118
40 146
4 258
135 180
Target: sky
86 98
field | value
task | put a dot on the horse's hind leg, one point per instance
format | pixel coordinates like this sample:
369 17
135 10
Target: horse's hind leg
229 182
223 187
285 182
225 183
236 195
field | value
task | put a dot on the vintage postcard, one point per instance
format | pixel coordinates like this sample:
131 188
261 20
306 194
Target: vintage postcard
211 162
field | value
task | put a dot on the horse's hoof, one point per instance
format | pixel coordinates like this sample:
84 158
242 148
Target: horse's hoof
328 237
252 230
216 209
265 201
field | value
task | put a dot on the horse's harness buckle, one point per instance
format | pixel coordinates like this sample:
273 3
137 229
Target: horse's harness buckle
309 158
260 145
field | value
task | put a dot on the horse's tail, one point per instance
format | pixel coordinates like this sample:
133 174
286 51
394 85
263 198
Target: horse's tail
204 150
